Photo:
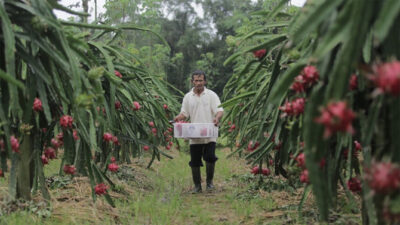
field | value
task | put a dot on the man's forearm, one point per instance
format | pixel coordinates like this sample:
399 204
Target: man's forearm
219 115
218 118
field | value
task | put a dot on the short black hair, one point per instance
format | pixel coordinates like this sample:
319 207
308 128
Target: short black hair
199 72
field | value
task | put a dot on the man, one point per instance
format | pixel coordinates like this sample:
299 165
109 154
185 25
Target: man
201 105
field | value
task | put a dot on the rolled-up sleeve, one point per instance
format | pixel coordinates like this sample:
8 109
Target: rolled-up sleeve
216 104
185 106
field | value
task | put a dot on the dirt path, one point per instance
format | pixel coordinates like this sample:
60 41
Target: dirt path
232 202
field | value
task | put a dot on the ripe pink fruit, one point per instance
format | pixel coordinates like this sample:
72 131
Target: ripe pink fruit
56 143
112 159
50 153
44 160
14 144
259 53
301 160
383 178
118 74
37 105
354 184
293 108
151 124
165 106
310 74
136 106
387 77
356 151
168 147
154 131
353 82
100 189
233 127
265 171
255 170
298 85
117 105
357 146
107 137
114 139
251 147
146 147
336 117
75 135
60 136
69 169
113 167
304 177
66 121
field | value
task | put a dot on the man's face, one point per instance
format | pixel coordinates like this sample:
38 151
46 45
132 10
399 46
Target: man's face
198 81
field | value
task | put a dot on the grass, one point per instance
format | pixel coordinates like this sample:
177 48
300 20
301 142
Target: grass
161 195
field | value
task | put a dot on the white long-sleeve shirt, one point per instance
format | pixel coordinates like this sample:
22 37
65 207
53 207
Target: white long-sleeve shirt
201 109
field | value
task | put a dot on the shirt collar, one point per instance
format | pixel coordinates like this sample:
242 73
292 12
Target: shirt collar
202 93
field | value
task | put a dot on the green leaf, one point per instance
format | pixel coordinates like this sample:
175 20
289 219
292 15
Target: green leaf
43 98
387 15
92 132
113 28
394 129
350 51
250 77
277 9
234 100
367 49
263 29
9 40
314 15
306 192
12 185
337 33
7 77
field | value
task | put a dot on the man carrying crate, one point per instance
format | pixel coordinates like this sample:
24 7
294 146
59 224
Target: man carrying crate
201 105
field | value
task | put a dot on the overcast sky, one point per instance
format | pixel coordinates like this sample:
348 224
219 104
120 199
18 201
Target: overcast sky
101 9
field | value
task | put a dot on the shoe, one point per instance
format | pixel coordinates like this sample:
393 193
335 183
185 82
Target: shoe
210 175
196 180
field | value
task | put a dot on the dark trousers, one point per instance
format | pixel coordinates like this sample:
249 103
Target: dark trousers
207 151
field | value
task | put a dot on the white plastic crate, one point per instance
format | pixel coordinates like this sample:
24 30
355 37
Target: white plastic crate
195 130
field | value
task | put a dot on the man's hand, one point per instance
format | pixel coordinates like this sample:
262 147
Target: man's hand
179 117
216 122
218 118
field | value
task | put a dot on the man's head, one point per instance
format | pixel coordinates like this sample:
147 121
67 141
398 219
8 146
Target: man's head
199 79
197 73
